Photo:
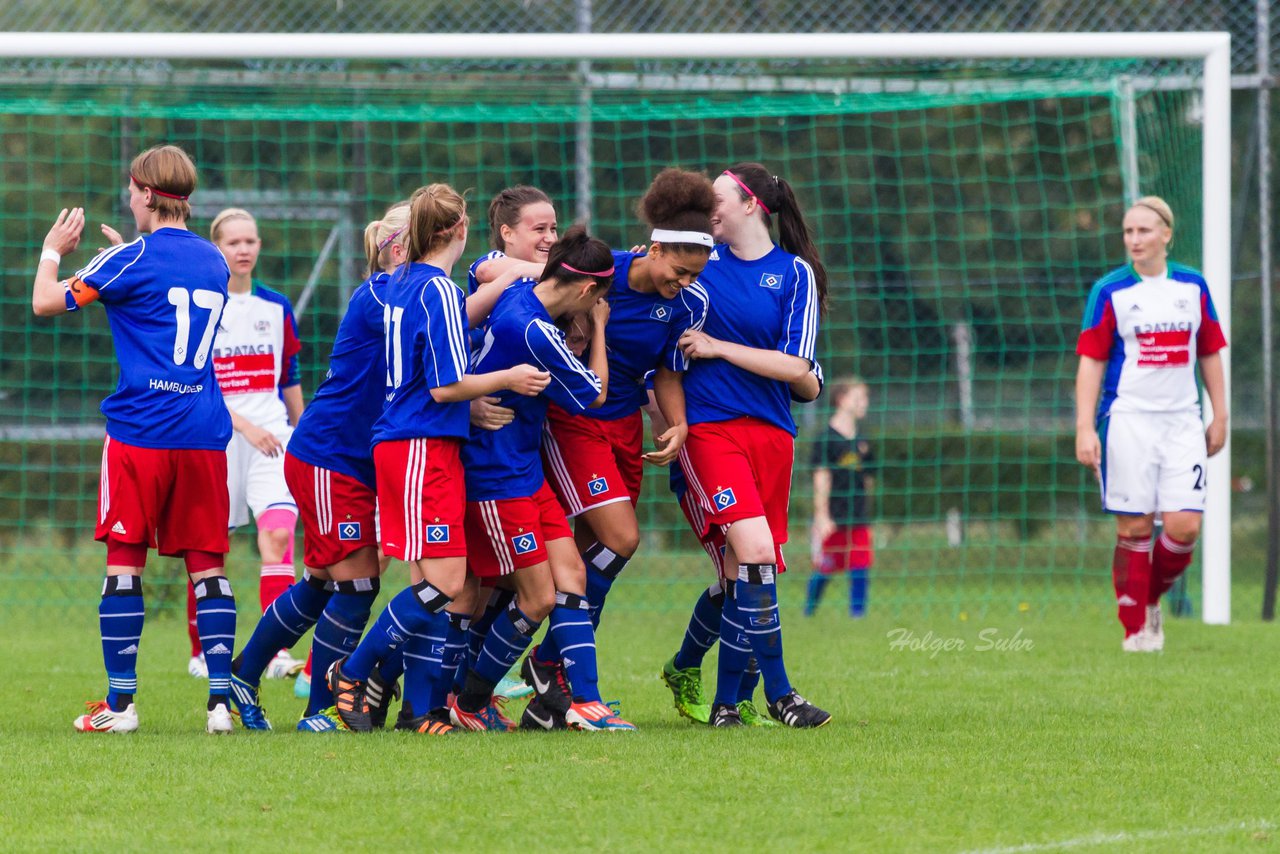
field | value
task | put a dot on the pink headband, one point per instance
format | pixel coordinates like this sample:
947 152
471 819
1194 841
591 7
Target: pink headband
600 275
747 190
385 243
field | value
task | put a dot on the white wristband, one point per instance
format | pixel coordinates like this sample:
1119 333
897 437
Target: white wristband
50 255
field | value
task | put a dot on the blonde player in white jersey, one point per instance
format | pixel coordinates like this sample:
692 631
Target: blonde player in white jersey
1138 422
255 358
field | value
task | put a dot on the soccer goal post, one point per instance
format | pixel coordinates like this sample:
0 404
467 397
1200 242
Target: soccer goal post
704 100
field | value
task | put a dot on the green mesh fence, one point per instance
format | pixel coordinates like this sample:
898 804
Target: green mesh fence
962 219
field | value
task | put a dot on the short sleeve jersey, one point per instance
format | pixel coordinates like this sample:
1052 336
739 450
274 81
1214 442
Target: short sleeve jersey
164 294
472 282
255 354
335 429
426 347
770 303
852 464
1150 331
641 335
506 463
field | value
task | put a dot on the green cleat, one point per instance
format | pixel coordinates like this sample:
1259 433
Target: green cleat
686 689
751 715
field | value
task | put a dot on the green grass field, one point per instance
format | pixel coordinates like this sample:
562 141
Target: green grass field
1062 743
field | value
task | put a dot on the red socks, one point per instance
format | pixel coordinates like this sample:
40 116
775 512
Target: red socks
1131 574
1169 560
192 631
275 579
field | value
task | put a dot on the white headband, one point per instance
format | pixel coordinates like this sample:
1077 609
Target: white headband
701 238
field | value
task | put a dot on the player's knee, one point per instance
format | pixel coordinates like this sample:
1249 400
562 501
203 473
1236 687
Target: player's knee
623 543
1184 530
537 606
1134 527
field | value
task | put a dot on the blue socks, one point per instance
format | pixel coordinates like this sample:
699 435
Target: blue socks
411 612
337 634
283 624
857 592
216 623
817 584
120 616
704 628
756 596
735 650
603 568
507 640
423 655
575 637
455 659
750 679
499 599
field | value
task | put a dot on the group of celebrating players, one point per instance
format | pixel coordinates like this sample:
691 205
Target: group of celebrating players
460 431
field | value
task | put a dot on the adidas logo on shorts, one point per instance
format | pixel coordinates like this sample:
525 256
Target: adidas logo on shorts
118 528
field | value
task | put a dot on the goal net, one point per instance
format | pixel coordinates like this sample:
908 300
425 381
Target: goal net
962 208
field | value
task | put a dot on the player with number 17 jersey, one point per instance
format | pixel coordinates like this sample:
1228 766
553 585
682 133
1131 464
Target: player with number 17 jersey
164 294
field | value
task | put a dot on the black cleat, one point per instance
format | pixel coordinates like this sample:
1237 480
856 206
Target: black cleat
795 711
725 715
537 717
349 700
549 684
379 694
432 723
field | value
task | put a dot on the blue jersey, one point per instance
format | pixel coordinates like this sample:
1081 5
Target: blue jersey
335 429
770 303
642 333
472 282
506 463
164 294
425 323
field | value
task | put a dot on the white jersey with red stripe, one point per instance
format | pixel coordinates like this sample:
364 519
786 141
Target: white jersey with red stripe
1150 330
255 354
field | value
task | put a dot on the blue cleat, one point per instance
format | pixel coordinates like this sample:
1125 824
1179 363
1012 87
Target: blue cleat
325 720
302 687
250 711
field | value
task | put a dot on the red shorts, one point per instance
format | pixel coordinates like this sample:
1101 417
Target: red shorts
172 500
740 469
423 498
337 512
711 537
847 547
590 462
507 534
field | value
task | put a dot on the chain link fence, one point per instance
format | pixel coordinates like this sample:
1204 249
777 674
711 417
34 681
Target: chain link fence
1239 17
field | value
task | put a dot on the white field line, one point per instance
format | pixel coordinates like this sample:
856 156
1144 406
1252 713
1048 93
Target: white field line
1097 839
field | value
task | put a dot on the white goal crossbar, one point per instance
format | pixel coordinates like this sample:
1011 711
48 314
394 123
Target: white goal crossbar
1211 49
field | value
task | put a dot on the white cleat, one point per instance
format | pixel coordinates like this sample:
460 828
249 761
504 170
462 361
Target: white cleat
1137 642
283 666
1154 629
197 668
219 722
101 719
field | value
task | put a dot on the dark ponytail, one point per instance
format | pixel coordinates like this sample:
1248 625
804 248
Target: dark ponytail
776 197
577 255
